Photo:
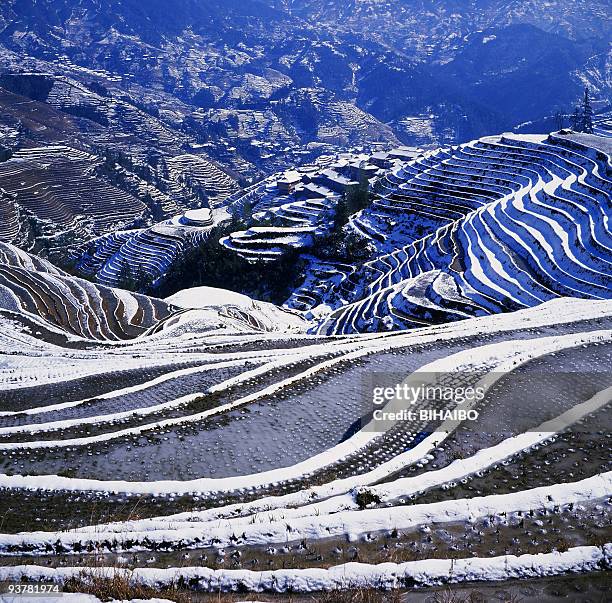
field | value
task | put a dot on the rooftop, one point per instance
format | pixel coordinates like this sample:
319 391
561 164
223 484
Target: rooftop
290 177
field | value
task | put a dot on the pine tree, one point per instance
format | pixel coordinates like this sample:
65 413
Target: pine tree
342 214
358 197
125 278
587 113
141 281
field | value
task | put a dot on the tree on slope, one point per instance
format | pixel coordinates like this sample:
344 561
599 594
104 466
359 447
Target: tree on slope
354 199
587 113
125 278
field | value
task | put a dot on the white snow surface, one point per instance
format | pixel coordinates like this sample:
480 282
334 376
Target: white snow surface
211 307
266 529
427 572
204 297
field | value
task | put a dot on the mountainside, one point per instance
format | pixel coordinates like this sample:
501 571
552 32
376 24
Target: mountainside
245 57
62 309
303 297
166 114
495 225
437 27
518 222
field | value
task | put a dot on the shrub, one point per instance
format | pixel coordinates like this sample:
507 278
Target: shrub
366 497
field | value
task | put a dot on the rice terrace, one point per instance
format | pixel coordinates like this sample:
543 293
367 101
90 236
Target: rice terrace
305 301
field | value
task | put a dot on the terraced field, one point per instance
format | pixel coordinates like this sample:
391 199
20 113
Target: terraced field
220 443
287 219
198 172
514 221
184 439
55 184
77 164
47 300
146 253
497 224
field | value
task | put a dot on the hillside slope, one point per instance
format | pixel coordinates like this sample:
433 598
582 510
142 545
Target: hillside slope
60 308
519 220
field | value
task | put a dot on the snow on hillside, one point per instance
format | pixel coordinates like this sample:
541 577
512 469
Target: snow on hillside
203 297
231 309
497 224
514 221
38 294
147 253
146 426
250 441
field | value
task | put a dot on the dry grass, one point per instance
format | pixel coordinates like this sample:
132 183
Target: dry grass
448 595
117 585
359 595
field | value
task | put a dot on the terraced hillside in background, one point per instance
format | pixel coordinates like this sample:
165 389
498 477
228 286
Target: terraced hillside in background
57 185
147 254
514 221
495 225
76 163
50 303
51 192
498 224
